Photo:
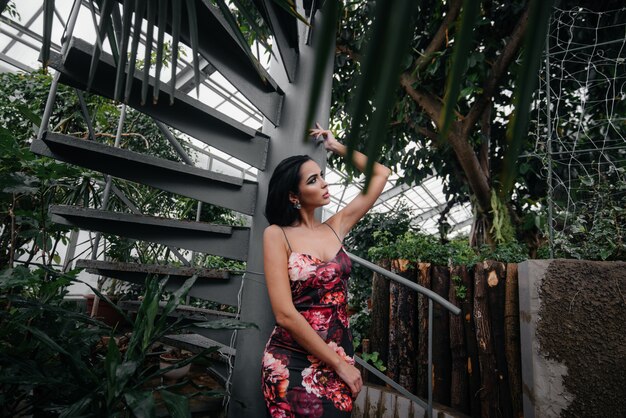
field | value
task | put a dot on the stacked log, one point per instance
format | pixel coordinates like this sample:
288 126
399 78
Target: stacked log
476 355
423 373
459 381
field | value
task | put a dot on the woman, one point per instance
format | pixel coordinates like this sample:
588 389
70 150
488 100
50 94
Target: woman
308 365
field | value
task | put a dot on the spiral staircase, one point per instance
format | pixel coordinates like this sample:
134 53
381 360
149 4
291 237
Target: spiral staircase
281 97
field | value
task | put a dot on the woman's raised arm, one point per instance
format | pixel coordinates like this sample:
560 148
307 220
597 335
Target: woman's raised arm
347 217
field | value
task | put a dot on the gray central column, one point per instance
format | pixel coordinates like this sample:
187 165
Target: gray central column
286 140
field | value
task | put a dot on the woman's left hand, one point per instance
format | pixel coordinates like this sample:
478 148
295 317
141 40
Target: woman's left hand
327 137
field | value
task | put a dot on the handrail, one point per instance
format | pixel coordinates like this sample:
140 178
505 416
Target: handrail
420 289
432 296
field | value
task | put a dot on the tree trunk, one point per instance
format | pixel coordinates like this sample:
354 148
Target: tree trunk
423 374
473 367
496 279
512 339
459 384
487 360
442 359
407 328
379 327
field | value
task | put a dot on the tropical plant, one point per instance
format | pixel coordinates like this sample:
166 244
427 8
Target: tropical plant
54 360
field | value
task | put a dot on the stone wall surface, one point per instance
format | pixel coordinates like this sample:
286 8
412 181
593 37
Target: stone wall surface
573 338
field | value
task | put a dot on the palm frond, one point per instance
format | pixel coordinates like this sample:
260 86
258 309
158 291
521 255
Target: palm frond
193 35
106 10
161 22
147 60
462 48
127 15
176 21
324 44
140 8
241 40
517 130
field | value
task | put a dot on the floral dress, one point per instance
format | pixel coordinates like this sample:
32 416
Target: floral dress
295 383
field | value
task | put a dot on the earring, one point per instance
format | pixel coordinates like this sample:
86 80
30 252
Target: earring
297 205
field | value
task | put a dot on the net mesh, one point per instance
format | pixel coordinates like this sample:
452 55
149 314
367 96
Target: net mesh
580 133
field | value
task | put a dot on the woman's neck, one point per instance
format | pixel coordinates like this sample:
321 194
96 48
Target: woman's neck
308 220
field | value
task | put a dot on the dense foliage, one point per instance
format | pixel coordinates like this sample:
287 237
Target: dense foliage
470 161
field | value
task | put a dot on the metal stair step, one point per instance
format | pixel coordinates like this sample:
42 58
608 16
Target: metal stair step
216 285
225 241
215 188
186 114
195 343
218 45
186 312
117 269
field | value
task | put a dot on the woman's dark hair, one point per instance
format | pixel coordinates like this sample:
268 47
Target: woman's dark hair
278 208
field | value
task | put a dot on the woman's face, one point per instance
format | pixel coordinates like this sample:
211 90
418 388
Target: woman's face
313 188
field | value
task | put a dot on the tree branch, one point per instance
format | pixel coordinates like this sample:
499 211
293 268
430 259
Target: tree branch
344 49
440 36
431 105
500 66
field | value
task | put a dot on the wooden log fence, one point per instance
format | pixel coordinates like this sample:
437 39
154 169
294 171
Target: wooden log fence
476 355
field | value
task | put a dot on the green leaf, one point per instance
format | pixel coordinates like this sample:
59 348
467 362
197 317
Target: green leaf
145 81
21 183
324 44
517 131
176 18
177 405
44 338
141 403
140 8
290 7
241 40
193 35
463 42
127 15
29 114
161 23
106 12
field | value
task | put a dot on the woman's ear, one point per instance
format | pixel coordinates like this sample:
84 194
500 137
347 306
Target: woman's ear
293 198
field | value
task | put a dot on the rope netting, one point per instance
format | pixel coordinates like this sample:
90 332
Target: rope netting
580 138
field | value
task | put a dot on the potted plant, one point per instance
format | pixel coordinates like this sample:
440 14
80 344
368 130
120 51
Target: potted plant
174 364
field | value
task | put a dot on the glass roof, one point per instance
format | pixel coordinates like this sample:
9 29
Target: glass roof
20 42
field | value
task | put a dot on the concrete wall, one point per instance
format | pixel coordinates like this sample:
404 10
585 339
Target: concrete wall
573 338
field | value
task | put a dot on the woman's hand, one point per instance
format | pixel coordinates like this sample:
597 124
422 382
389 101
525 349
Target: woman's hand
352 376
327 137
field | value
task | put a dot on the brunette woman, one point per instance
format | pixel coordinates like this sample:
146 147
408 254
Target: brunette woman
308 364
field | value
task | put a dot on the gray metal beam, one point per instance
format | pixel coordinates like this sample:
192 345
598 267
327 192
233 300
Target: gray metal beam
186 114
255 306
197 183
224 241
16 63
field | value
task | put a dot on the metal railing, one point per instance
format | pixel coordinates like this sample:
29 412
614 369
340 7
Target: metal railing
432 296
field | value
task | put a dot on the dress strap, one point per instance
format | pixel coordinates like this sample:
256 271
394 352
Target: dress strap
331 228
288 244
